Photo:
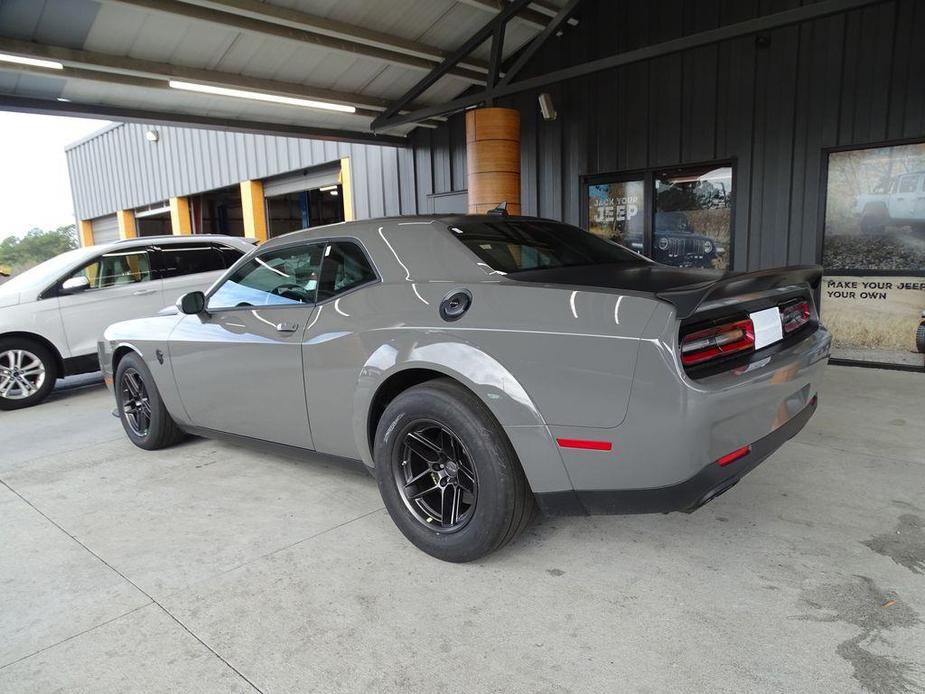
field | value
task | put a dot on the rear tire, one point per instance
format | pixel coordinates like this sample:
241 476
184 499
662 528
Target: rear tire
141 409
28 371
473 497
920 338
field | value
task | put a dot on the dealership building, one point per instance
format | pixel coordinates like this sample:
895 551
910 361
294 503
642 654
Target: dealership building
730 135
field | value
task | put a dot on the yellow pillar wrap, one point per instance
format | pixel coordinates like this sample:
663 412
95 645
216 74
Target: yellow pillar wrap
346 186
254 209
126 219
180 223
85 230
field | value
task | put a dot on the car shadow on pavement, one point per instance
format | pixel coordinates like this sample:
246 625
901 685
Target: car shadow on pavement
74 385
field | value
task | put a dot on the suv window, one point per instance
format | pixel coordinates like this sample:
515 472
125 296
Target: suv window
281 277
345 267
909 184
178 259
229 255
117 268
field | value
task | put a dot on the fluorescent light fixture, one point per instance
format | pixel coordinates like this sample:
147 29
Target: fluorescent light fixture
324 189
260 96
34 62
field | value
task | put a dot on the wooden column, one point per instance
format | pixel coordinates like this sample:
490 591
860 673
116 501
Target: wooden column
85 231
254 209
493 157
126 220
180 222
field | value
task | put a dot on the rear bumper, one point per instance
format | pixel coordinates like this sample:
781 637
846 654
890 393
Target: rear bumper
689 495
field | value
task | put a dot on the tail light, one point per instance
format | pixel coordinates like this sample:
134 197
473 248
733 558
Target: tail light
795 316
720 341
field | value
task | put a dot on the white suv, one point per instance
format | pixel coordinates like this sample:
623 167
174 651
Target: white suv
52 315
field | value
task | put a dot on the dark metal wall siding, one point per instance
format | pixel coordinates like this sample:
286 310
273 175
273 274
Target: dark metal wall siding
120 169
850 79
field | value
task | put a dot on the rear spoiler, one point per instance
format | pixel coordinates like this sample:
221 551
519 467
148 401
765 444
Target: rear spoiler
736 286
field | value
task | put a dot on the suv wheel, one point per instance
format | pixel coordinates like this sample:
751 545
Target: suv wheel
141 409
920 337
28 372
448 474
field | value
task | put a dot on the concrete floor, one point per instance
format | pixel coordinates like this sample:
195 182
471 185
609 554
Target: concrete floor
213 568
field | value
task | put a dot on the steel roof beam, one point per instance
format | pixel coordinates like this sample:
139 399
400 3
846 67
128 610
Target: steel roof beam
102 67
473 42
265 27
804 13
295 19
537 15
46 106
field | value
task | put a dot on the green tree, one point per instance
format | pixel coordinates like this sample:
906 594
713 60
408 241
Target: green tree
38 245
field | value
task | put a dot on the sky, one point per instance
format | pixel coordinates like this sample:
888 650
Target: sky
34 186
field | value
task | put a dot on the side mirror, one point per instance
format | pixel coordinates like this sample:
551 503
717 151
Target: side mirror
192 303
74 285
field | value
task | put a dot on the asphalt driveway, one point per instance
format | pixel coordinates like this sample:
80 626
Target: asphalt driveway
209 567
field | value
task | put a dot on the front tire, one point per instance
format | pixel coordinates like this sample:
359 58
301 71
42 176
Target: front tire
448 474
141 409
920 338
28 371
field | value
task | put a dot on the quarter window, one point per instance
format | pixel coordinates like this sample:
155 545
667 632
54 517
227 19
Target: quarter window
345 267
116 269
287 276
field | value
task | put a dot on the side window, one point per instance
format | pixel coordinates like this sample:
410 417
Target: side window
229 255
345 267
908 184
116 269
281 277
178 259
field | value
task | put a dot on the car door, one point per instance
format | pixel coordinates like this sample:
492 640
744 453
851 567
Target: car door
120 286
190 265
902 202
238 365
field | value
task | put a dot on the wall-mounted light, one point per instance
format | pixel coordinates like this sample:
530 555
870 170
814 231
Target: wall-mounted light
547 108
152 135
325 189
261 96
34 62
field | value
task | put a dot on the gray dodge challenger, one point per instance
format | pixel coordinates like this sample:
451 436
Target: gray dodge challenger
481 366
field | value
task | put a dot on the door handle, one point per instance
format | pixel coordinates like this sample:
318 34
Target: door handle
287 327
144 292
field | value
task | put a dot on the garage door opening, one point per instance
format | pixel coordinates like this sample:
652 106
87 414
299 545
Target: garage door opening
153 221
218 212
307 208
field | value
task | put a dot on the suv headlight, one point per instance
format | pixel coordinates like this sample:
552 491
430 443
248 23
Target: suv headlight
663 244
707 246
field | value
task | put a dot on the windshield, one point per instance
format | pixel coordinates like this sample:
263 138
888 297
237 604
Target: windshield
44 273
518 245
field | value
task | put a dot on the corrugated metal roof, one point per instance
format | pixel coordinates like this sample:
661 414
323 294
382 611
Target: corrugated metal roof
146 30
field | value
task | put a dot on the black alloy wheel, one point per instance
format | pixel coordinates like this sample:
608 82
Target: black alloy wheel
436 478
136 405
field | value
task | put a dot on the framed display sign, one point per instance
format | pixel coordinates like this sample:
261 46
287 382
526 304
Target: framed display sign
680 216
873 252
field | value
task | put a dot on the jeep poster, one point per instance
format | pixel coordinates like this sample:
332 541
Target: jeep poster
873 292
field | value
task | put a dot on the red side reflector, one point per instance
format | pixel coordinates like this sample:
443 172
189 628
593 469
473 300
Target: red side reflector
583 443
734 456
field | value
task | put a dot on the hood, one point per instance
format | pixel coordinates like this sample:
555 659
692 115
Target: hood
9 298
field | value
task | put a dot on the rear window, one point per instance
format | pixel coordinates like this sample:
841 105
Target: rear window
511 246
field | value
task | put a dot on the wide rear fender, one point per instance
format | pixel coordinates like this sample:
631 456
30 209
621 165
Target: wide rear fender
488 379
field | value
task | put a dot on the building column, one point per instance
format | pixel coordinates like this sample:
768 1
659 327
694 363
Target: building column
254 209
493 158
180 222
85 232
346 186
126 220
